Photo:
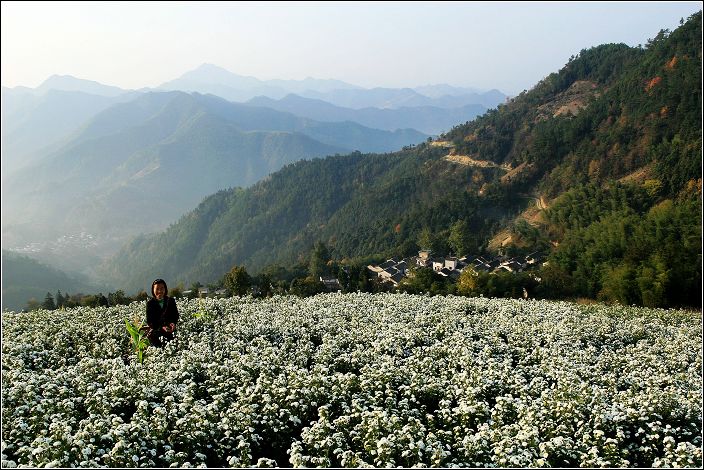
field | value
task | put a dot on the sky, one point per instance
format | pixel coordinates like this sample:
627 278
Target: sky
509 46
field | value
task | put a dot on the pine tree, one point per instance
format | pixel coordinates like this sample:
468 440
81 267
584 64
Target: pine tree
49 302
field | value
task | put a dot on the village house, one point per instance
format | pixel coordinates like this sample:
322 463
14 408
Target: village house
534 259
391 271
511 266
206 292
424 259
332 284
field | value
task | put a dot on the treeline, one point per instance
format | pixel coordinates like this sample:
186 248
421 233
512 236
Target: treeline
63 301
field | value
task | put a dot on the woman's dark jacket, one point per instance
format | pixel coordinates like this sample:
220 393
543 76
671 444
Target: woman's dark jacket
158 317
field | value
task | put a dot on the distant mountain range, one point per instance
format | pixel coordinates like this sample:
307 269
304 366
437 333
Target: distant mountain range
37 121
34 123
427 119
174 148
211 79
386 98
217 81
80 156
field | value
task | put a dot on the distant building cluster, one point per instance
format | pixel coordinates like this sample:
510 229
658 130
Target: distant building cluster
78 240
206 292
393 271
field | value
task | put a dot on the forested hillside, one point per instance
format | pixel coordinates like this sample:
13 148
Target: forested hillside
32 280
612 143
361 204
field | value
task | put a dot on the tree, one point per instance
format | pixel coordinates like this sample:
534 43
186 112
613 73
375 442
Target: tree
265 285
177 291
49 302
319 260
141 295
426 241
237 281
59 299
460 239
468 283
619 285
89 301
306 287
556 282
653 279
195 289
33 304
424 280
102 300
363 283
118 298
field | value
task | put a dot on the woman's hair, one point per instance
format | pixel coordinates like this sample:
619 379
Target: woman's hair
159 281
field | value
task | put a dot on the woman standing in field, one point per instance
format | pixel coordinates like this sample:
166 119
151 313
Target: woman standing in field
162 315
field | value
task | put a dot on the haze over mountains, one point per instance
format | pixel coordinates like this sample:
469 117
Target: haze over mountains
32 123
83 157
428 119
217 81
175 148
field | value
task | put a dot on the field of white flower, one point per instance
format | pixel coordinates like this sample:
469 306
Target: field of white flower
356 380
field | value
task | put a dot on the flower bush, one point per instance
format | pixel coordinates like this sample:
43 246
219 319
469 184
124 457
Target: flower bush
356 380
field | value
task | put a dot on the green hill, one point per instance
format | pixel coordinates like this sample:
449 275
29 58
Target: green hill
24 278
612 142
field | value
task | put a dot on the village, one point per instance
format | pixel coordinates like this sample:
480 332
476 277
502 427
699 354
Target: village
389 274
394 271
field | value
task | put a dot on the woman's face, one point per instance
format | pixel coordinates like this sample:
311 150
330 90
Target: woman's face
159 291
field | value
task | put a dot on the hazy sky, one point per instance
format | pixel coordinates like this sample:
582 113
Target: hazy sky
504 45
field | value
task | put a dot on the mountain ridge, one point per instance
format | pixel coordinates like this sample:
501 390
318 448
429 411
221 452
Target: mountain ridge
427 119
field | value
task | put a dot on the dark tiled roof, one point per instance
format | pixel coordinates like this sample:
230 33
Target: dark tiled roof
481 268
392 270
387 264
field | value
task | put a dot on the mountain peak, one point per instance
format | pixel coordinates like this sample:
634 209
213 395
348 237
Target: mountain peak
212 68
71 83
